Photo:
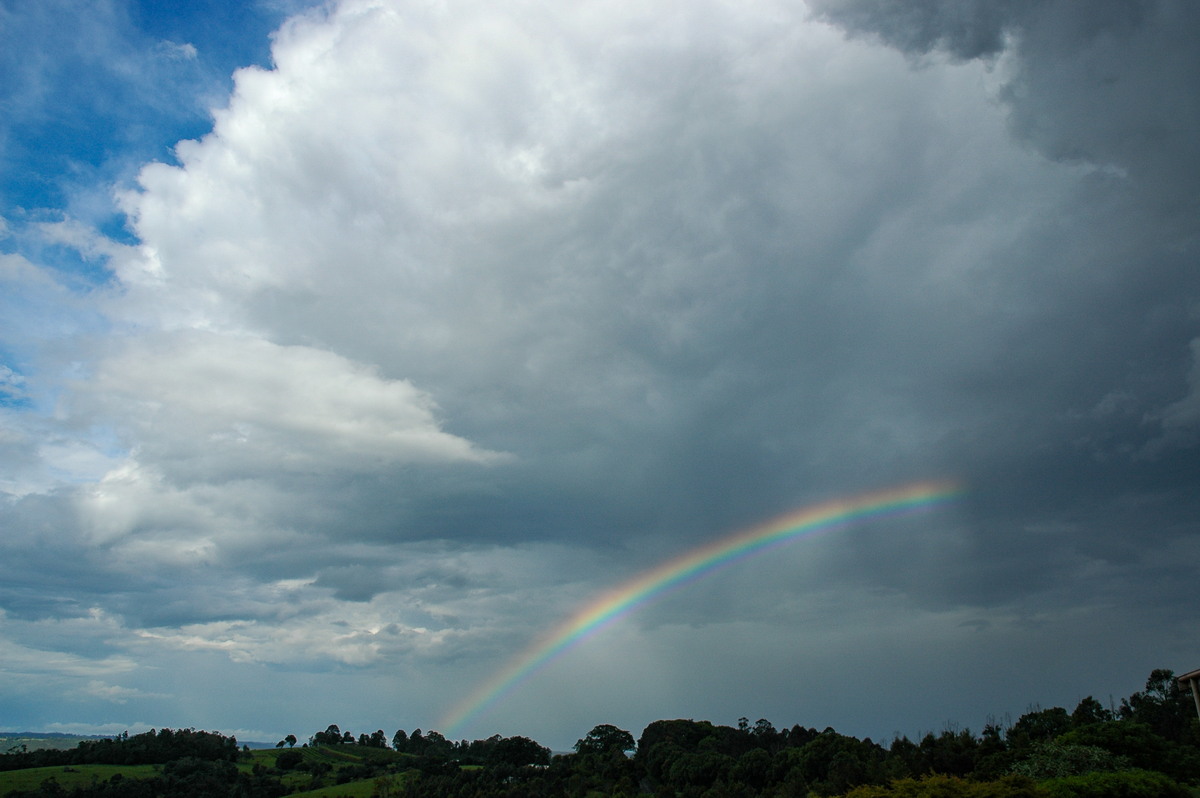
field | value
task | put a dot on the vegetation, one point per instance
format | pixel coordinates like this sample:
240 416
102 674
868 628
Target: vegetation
1149 747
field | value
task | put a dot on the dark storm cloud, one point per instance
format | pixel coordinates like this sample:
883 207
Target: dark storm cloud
1066 444
1112 86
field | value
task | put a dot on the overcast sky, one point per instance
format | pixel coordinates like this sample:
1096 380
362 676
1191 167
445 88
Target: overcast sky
345 350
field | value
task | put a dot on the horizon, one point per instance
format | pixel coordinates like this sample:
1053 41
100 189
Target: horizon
1003 721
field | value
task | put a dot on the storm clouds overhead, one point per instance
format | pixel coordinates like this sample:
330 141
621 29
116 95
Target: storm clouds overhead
347 349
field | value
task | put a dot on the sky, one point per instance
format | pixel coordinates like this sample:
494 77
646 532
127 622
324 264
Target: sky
347 350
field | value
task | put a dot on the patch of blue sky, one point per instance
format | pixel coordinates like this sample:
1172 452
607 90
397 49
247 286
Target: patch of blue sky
85 459
37 313
72 269
229 34
12 387
90 92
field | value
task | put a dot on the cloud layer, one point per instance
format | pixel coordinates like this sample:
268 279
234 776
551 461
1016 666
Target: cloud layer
460 315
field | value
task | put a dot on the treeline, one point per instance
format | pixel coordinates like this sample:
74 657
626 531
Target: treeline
1147 747
516 751
155 747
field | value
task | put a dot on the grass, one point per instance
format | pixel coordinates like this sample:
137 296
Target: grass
335 757
353 789
70 776
330 755
357 789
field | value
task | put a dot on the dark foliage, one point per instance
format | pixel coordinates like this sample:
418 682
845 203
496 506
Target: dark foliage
1147 748
154 747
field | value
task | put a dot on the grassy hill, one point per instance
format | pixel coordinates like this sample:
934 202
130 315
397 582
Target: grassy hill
71 776
320 772
322 767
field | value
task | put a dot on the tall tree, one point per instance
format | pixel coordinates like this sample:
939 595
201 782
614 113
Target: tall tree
604 738
1164 707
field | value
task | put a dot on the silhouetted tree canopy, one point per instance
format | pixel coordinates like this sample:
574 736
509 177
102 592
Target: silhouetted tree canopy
1148 749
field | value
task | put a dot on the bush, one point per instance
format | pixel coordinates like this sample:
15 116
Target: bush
289 759
1123 784
942 786
1057 759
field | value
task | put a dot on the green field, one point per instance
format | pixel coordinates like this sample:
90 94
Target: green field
70 776
354 789
334 758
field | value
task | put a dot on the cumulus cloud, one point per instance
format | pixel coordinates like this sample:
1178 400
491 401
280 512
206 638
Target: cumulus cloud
459 315
248 400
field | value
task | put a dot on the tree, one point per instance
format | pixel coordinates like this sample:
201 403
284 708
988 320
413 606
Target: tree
1141 746
436 744
604 738
289 759
663 741
763 728
952 753
400 740
519 751
1090 711
1164 707
700 769
1040 725
331 736
833 763
1056 759
752 768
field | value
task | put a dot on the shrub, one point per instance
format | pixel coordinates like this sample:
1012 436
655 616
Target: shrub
943 786
1122 784
289 759
1057 759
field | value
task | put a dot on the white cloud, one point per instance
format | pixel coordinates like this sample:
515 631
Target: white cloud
115 693
11 385
177 51
242 400
41 664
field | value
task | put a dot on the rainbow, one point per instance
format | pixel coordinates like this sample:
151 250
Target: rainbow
615 604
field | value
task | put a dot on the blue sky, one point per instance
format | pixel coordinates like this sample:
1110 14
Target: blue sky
94 90
346 348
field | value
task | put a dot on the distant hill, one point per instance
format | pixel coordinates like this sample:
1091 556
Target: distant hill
36 741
